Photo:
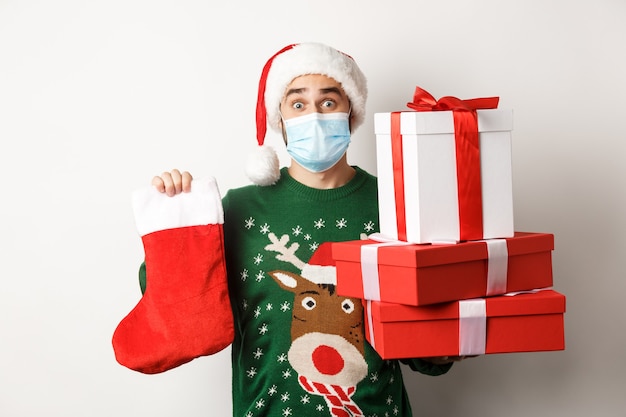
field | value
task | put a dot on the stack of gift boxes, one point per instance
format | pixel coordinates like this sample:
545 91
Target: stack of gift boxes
448 274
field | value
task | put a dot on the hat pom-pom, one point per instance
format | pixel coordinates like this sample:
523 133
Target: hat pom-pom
262 166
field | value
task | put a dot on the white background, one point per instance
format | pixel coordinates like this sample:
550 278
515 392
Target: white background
96 97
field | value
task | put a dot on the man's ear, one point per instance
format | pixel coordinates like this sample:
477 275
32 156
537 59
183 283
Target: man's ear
282 129
280 122
351 116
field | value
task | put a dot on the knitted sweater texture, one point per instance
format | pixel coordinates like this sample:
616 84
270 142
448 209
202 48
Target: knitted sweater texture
299 347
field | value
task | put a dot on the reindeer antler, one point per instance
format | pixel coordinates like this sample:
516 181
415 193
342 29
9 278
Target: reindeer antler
286 254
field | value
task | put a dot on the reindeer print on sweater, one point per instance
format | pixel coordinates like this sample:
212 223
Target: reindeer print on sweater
299 347
327 339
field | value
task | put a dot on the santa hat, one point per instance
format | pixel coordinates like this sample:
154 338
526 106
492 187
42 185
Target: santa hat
321 268
291 62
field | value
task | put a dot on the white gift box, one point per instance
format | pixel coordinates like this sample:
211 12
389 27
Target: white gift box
430 213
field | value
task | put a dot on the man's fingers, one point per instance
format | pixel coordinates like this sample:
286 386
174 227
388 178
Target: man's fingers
157 182
187 178
177 183
173 182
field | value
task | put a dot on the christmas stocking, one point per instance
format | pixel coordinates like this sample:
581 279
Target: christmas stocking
185 311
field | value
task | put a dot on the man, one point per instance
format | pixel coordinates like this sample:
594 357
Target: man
299 347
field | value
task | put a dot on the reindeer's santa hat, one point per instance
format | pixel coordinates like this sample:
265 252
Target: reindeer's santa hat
321 267
291 62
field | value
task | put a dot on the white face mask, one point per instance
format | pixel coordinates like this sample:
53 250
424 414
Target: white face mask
317 141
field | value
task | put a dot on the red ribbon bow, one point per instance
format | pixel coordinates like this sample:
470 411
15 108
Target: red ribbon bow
467 157
424 101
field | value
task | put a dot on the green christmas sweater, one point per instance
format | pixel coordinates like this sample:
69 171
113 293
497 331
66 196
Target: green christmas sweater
299 347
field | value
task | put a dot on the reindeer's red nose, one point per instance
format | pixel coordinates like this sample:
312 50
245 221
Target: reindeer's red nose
327 360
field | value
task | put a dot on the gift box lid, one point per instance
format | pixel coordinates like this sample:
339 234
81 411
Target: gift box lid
440 122
427 255
524 303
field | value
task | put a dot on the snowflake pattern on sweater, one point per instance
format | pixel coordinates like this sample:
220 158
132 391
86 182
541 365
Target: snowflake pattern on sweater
299 347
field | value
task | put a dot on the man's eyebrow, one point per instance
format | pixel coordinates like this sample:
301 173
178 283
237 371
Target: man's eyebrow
327 90
294 91
331 90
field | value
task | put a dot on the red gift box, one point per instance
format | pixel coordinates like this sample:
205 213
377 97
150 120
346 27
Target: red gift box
527 322
428 274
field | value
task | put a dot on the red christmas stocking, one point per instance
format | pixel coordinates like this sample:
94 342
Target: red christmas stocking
185 311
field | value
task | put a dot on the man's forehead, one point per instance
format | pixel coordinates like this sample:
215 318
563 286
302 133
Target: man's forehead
315 79
314 83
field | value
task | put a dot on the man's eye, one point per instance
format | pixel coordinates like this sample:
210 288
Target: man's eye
297 105
328 103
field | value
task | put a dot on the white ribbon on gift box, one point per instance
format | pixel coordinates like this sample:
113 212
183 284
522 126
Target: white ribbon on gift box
370 323
473 323
497 265
369 265
473 312
472 327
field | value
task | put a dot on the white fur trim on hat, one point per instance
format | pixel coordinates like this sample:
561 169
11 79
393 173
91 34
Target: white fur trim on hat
320 274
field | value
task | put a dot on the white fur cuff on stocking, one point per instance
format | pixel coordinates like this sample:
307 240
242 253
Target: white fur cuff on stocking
156 211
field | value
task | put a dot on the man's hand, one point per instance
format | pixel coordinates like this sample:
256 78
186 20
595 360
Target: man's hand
172 183
443 360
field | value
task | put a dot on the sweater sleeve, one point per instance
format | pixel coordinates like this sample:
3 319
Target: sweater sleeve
425 367
142 277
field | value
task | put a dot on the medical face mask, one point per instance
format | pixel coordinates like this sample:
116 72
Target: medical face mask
317 141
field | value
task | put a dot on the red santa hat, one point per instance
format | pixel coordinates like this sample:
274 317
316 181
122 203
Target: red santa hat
291 62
